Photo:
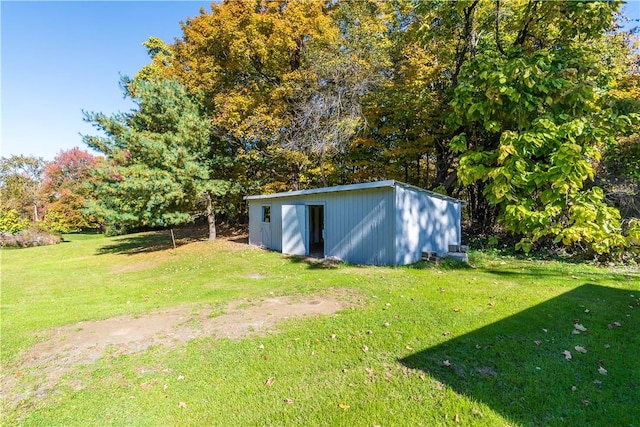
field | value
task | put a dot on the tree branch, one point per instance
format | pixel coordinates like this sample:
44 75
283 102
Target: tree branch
498 43
460 55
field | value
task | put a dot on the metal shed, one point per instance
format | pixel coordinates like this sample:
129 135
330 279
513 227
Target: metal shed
379 223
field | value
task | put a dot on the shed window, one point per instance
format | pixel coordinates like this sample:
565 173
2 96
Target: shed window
266 214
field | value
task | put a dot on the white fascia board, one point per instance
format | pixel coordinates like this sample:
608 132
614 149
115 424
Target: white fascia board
351 187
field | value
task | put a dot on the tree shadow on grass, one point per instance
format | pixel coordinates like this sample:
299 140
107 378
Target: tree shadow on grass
517 365
154 241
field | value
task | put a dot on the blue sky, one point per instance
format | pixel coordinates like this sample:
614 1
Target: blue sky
59 58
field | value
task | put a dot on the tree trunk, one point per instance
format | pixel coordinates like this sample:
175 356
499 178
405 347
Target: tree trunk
294 177
211 217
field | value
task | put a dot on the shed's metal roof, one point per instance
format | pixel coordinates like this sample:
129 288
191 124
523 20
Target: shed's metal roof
352 187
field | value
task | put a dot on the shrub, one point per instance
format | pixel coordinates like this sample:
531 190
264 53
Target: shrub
28 238
10 221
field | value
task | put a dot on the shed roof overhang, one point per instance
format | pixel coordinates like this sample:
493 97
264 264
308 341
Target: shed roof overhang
352 187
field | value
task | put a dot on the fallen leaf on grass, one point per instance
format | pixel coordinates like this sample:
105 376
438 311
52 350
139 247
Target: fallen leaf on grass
456 418
580 349
567 354
579 327
602 371
446 334
365 349
573 388
289 401
269 382
537 342
446 363
477 412
344 406
585 402
180 377
182 405
614 325
265 356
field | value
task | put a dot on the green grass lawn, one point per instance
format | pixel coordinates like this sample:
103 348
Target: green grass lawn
424 345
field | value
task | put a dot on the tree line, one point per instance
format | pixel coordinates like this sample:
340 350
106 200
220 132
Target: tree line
525 109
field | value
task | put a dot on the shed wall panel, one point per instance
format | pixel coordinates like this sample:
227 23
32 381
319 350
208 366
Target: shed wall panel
424 224
387 225
359 225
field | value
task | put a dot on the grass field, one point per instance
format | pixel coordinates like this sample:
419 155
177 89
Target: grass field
423 345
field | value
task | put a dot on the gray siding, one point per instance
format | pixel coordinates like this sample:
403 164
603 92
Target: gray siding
358 224
424 224
386 223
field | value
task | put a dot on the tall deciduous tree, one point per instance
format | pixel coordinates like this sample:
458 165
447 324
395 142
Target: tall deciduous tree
66 190
160 167
328 113
531 123
246 60
20 180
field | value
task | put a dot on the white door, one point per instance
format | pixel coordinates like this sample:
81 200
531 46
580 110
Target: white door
265 233
294 230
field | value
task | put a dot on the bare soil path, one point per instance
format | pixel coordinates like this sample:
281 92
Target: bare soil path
85 342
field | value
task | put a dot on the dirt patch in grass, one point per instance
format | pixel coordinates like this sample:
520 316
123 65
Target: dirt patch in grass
85 342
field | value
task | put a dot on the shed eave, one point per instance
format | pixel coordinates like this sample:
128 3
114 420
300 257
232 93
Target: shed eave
353 187
432 193
350 187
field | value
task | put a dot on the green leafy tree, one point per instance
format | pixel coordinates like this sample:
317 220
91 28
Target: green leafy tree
531 124
10 221
619 171
20 181
161 161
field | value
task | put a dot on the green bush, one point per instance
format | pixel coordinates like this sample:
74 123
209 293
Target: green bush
10 222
